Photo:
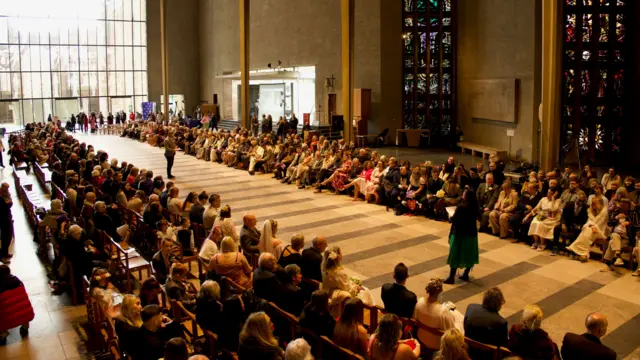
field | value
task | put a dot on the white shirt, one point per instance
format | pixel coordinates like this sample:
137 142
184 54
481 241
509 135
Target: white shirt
174 206
209 217
208 250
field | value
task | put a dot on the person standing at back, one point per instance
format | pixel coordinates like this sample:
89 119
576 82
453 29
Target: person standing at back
396 297
588 346
169 153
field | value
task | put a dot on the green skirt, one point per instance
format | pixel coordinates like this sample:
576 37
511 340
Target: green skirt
463 251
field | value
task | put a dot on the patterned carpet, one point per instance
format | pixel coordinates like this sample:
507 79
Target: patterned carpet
373 241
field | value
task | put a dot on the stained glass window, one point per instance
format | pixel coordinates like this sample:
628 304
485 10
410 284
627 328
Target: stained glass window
594 82
429 82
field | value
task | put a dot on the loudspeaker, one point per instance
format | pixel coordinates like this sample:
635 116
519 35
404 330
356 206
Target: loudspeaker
215 98
337 123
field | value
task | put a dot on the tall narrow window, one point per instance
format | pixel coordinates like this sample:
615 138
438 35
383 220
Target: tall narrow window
428 66
594 82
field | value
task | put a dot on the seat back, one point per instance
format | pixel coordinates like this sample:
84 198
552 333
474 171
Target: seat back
331 350
478 350
285 323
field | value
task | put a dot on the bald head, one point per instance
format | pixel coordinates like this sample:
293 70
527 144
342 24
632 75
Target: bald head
249 220
596 324
154 198
198 357
320 243
267 261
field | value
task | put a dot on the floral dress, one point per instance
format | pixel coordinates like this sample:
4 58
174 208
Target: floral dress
341 175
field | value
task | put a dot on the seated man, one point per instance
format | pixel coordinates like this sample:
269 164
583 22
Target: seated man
574 215
397 299
197 210
529 199
588 346
154 333
291 297
311 262
620 220
265 281
487 195
249 236
162 260
179 289
483 323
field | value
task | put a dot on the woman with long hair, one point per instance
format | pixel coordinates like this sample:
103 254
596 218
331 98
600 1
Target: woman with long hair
315 315
360 183
463 238
257 340
452 346
268 242
338 284
349 331
129 321
385 344
231 263
592 230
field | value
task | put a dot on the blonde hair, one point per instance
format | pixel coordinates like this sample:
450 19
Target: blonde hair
126 311
452 346
532 317
227 245
434 287
331 259
257 327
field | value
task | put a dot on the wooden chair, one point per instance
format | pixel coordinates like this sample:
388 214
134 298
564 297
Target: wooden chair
199 234
187 321
311 283
425 349
332 351
478 350
72 283
504 353
130 262
372 323
285 323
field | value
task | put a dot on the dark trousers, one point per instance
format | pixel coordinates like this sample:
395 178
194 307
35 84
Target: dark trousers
169 163
568 237
6 234
1 160
520 230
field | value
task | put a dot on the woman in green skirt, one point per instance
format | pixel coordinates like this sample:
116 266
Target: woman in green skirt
463 238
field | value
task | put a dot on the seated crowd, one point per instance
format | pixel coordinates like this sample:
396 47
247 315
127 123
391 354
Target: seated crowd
248 269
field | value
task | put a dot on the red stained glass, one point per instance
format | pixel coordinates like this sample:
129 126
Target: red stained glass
603 83
570 26
618 83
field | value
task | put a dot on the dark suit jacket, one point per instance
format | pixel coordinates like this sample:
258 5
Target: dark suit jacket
311 264
291 299
249 240
486 198
398 300
485 326
160 267
196 212
265 285
585 347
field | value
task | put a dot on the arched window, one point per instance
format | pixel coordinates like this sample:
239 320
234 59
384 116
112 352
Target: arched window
595 76
428 66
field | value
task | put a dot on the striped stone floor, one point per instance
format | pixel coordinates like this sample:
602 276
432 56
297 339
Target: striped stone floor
373 241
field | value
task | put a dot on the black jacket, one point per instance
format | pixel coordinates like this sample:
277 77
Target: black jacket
311 264
485 326
291 299
585 347
398 300
463 221
196 212
249 240
322 323
265 285
160 268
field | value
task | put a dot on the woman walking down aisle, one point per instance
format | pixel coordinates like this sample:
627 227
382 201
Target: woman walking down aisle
593 230
463 238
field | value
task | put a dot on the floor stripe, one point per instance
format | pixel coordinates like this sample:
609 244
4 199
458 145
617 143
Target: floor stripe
624 339
477 286
562 298
359 233
272 204
380 250
251 197
311 225
283 215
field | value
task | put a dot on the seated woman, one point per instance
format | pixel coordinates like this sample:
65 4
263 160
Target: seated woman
104 292
385 344
268 242
210 245
361 181
546 215
315 315
452 346
339 176
16 309
349 332
451 196
431 312
128 322
291 254
165 231
370 188
594 229
257 340
184 235
174 205
503 210
232 264
226 224
338 284
528 341
191 199
209 307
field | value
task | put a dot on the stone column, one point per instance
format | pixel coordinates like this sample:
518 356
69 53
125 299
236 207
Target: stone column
551 114
244 61
347 14
164 55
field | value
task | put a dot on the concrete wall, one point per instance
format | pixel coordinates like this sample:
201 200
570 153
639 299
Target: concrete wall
184 51
298 33
501 39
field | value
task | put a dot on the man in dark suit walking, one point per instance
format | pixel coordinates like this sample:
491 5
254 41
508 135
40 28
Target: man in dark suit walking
396 298
588 346
483 323
249 235
311 263
265 282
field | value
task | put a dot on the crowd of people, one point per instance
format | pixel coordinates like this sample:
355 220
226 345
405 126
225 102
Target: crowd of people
98 188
